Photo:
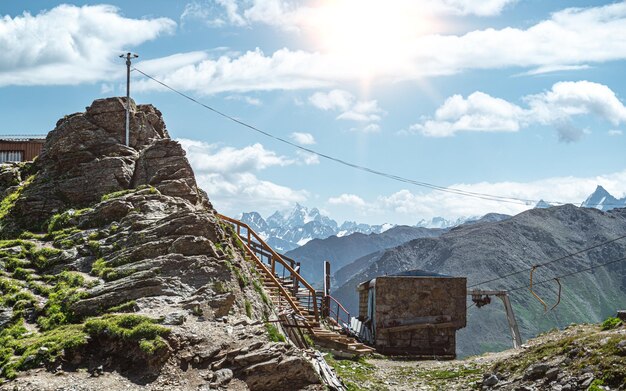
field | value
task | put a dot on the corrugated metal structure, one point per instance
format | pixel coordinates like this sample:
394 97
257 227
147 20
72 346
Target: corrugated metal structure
20 148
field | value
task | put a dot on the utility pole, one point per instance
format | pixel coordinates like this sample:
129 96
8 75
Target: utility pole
128 56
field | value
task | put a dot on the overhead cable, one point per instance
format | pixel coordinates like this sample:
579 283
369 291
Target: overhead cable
549 262
485 196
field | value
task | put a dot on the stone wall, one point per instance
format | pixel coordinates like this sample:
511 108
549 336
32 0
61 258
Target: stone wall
419 315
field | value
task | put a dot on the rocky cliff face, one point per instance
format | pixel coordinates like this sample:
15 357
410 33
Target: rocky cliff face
115 272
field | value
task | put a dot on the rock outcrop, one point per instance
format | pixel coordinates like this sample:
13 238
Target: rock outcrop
95 229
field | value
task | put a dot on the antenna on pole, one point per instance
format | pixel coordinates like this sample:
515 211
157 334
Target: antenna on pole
128 56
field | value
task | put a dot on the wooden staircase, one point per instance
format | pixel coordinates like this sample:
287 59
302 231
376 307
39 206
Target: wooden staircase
292 294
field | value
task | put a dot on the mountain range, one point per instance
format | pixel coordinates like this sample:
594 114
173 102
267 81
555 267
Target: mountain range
290 229
485 250
342 250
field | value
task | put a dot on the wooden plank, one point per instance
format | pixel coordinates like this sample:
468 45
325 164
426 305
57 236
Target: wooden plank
418 320
418 326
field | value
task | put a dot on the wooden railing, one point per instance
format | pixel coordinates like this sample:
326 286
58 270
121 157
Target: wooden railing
251 241
337 312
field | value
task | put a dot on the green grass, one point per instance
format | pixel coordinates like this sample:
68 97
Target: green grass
611 323
43 258
118 194
259 289
21 350
103 269
131 328
595 385
248 307
8 202
273 334
63 220
128 306
57 310
357 374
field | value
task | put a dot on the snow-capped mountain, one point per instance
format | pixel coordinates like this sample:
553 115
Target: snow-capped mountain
542 205
440 222
288 230
603 200
293 228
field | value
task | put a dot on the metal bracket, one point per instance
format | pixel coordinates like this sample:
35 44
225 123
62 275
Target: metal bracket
545 306
558 299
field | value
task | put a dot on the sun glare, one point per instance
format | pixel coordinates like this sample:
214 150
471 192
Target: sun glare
371 34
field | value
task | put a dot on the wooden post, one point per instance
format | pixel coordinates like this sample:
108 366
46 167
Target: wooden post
326 300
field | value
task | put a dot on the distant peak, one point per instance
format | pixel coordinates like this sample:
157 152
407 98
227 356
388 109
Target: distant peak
542 205
601 190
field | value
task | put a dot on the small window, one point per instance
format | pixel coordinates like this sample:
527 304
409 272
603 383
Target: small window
11 156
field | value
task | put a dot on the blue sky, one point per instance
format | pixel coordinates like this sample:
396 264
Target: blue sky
514 98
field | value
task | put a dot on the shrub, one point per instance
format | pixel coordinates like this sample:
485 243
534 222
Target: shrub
610 323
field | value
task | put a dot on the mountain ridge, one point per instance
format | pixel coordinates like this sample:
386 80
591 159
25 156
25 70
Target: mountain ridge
489 249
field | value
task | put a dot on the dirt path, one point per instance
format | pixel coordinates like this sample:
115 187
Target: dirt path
401 375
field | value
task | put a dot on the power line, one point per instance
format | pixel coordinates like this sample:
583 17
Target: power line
485 196
550 262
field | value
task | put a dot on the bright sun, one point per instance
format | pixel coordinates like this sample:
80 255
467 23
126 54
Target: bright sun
374 34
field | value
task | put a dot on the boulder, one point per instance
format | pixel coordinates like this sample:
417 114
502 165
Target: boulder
536 371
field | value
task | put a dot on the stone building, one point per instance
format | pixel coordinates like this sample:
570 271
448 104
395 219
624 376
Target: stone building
20 148
414 313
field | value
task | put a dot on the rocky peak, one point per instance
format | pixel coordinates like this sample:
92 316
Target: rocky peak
96 229
603 200
85 157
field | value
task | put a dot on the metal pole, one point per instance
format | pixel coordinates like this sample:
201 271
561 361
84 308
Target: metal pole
326 299
128 56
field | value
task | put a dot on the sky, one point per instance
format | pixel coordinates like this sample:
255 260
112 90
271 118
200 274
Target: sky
520 99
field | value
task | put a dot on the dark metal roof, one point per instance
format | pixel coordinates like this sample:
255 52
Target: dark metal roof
418 273
22 137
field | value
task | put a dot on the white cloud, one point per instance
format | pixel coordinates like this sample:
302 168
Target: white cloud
171 63
227 160
347 200
247 99
332 100
615 132
308 158
351 109
480 112
363 111
410 206
570 39
480 8
106 88
293 15
251 71
70 44
553 68
567 99
371 128
303 138
221 13
228 176
231 194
